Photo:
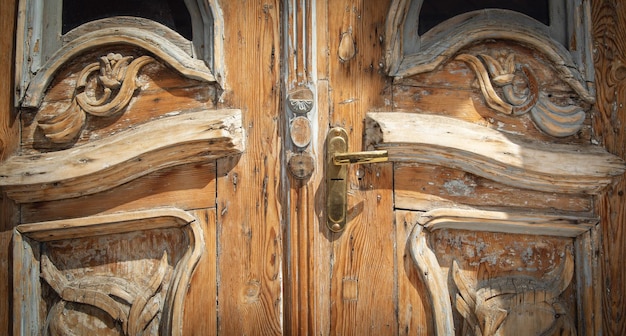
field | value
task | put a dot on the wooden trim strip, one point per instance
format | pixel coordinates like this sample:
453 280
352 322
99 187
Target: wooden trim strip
106 224
434 280
507 222
486 152
107 163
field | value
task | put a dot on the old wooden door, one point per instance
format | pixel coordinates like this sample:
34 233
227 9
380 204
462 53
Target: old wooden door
176 184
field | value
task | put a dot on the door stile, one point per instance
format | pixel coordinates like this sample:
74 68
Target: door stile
307 252
364 267
250 195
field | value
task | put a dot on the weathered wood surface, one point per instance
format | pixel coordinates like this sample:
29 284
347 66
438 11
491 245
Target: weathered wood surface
200 310
151 279
415 312
161 92
491 154
250 197
363 296
506 222
9 141
609 23
107 163
425 187
307 273
407 53
145 39
187 187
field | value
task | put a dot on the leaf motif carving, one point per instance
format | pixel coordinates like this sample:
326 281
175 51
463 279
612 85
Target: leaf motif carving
486 306
553 119
114 88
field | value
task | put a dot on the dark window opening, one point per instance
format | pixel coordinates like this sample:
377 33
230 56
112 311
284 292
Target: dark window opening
436 11
171 13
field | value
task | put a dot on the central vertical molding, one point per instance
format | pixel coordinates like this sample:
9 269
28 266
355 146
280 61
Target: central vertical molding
302 171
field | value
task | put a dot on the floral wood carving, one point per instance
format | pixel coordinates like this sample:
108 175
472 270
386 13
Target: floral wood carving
555 120
104 95
488 305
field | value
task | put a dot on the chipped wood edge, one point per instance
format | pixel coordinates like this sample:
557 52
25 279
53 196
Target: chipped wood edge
436 285
449 142
507 222
157 45
104 164
26 259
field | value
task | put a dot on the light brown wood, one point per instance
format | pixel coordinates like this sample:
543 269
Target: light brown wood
250 197
200 310
161 289
609 22
426 187
141 38
418 54
9 142
107 163
469 232
491 154
414 309
506 221
186 187
363 255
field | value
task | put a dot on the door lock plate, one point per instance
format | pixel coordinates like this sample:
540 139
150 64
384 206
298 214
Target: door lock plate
337 161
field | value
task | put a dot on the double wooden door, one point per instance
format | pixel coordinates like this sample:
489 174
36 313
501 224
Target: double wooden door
200 206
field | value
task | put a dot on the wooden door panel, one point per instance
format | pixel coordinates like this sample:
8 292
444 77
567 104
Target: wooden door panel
213 220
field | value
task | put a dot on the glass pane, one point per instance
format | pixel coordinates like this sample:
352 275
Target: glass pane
172 13
436 11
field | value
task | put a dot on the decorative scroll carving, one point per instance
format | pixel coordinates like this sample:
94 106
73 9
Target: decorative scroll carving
434 280
152 305
116 83
488 306
555 120
124 301
153 43
449 142
407 54
106 163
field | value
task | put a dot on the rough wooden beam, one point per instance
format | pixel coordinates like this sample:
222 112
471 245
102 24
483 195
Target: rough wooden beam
449 142
110 162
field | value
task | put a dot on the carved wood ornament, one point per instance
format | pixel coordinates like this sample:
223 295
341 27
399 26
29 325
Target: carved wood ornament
146 304
120 290
549 83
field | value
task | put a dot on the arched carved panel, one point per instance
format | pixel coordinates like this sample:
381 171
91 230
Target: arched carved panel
122 274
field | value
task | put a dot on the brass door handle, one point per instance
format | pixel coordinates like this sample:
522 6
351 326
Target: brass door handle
337 160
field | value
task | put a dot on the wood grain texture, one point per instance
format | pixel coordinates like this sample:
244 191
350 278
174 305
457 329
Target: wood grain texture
363 295
414 309
250 198
609 23
9 140
107 163
425 187
186 187
491 154
200 308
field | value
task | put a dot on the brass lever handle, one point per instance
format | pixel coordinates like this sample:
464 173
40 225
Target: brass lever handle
360 157
337 159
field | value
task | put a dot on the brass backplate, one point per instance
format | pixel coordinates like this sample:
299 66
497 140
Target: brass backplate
336 180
